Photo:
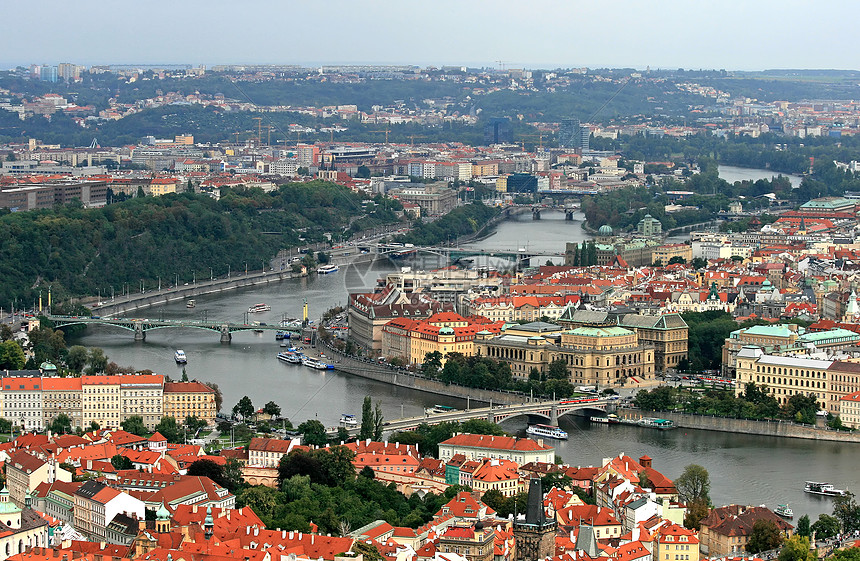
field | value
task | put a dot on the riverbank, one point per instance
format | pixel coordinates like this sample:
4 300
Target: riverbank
786 429
397 377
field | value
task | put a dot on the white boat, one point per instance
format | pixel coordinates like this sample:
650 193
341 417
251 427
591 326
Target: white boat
348 420
179 357
547 431
293 357
826 489
317 364
611 419
784 511
326 269
257 308
190 304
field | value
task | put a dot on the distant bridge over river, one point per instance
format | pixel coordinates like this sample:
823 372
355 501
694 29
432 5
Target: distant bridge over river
139 326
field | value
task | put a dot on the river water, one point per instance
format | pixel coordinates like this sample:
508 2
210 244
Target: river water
734 173
744 469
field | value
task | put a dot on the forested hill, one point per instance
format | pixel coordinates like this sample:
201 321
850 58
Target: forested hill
79 251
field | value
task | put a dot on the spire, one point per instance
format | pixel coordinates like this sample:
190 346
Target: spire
208 522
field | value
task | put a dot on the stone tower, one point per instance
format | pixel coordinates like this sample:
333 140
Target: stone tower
535 537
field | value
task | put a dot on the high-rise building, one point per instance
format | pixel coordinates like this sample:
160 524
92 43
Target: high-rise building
48 74
498 131
572 134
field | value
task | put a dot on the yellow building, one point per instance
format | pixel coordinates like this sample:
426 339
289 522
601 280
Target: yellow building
664 253
502 184
783 376
601 355
480 169
444 332
849 410
189 399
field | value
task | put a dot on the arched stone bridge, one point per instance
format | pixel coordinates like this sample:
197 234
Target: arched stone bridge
549 411
141 326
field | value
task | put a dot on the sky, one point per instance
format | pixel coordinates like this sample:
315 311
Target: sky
691 34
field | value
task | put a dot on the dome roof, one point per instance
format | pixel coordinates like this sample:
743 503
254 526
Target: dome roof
605 230
162 513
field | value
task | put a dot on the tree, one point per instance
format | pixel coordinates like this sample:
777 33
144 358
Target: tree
119 461
184 375
169 429
5 332
697 510
803 526
61 424
826 527
313 432
694 484
219 398
765 536
677 259
245 408
208 468
272 409
796 548
11 356
845 508
432 364
134 425
378 423
367 472
366 429
849 554
232 471
76 358
557 370
96 360
194 424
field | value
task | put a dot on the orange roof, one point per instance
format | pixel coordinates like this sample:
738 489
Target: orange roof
495 442
61 384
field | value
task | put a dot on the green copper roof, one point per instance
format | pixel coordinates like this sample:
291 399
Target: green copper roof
612 331
821 336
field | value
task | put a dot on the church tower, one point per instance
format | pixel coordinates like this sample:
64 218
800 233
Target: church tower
534 537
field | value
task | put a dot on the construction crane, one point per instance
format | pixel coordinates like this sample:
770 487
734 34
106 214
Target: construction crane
237 138
259 129
269 139
386 131
501 64
539 136
412 138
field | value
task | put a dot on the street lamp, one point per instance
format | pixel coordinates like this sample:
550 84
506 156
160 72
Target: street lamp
159 283
246 267
228 270
176 284
210 274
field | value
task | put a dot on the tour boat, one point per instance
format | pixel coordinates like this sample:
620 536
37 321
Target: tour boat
281 335
784 511
291 356
547 431
257 308
439 409
317 364
326 269
348 420
179 357
826 489
190 304
611 419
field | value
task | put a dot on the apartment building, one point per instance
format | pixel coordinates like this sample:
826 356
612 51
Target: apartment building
25 472
189 399
62 396
22 402
96 505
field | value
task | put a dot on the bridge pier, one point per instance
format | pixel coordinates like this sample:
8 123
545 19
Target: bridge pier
536 213
139 333
553 415
226 337
491 417
568 215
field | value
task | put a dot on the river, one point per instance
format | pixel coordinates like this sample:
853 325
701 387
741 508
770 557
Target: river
745 469
734 173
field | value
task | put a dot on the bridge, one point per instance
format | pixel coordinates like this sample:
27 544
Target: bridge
547 411
396 251
140 326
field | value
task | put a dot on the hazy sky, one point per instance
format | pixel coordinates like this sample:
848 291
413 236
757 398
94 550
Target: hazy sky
729 34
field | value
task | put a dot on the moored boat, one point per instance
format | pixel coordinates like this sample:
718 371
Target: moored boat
547 431
326 269
257 308
291 356
348 420
611 419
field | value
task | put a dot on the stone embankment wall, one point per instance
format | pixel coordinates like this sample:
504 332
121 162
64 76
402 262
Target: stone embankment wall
397 377
764 428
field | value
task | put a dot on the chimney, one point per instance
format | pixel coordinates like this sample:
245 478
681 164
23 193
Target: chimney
194 509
